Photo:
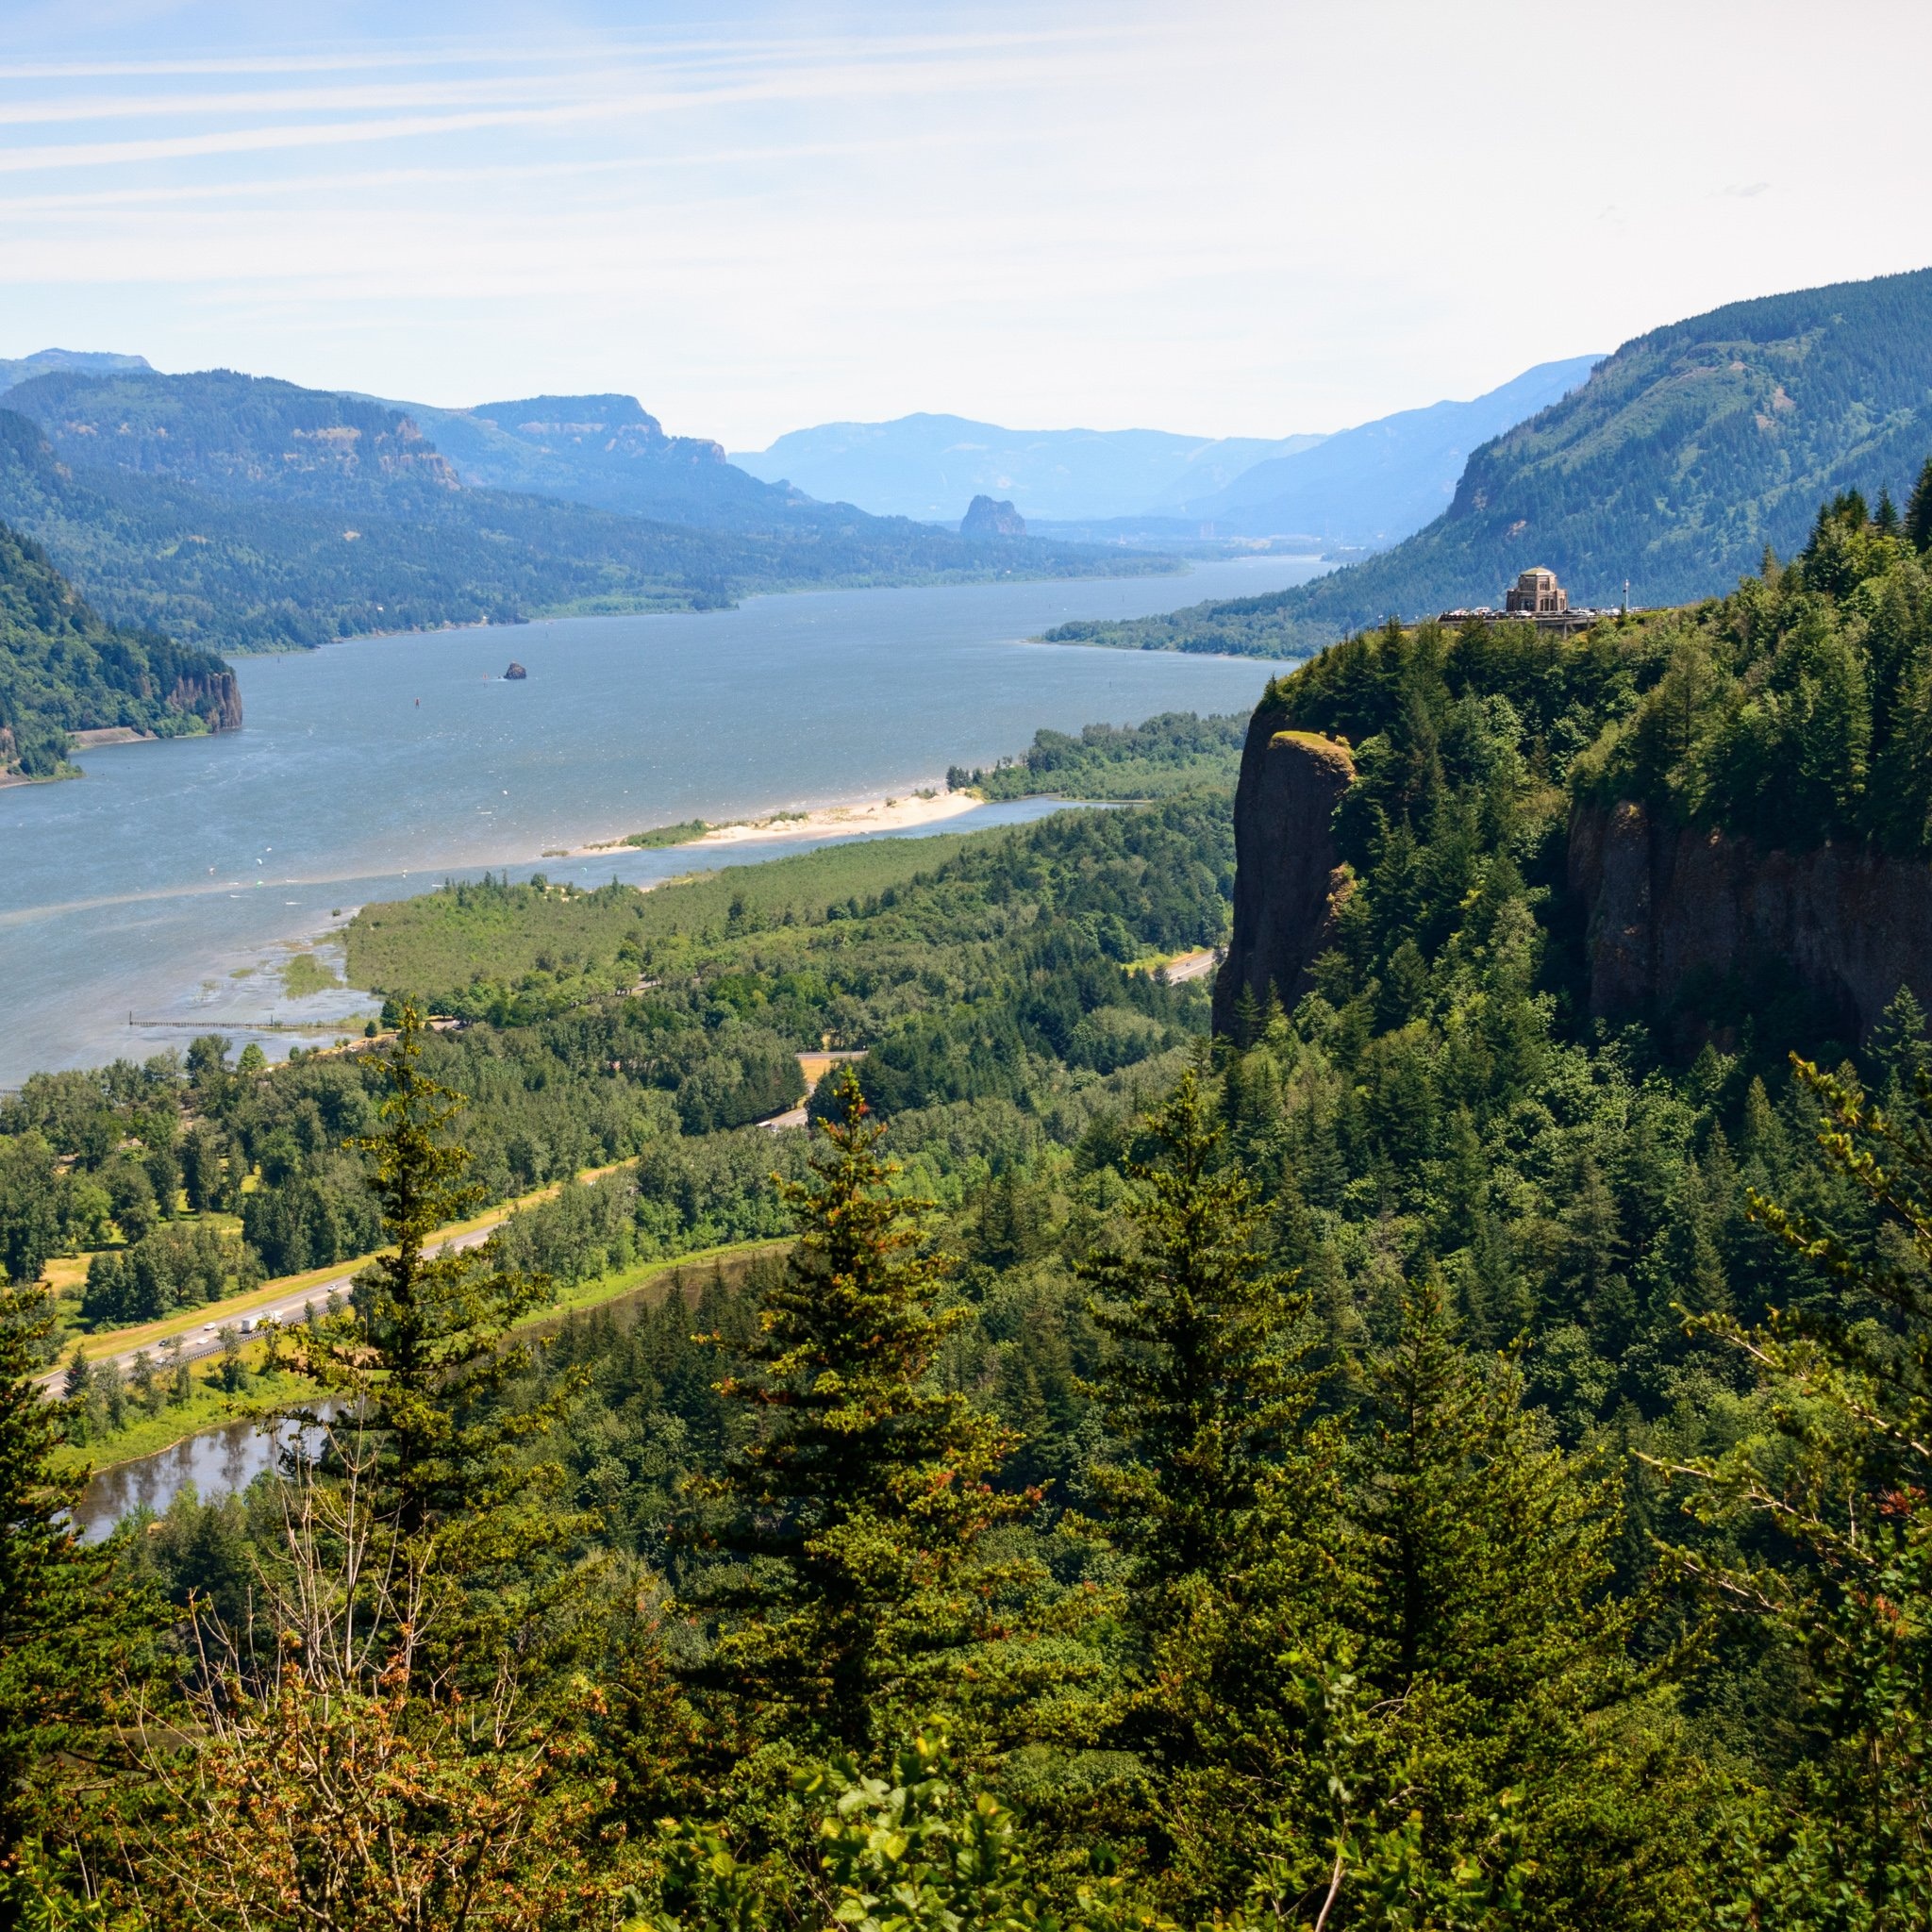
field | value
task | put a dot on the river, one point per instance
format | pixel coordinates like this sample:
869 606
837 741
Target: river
169 886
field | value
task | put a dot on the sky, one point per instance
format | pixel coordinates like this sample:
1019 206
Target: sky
1222 218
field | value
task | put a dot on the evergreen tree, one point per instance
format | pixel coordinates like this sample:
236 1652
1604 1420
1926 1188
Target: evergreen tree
1510 1735
1843 1481
847 1586
74 1628
1206 1389
421 1355
1919 510
1221 1494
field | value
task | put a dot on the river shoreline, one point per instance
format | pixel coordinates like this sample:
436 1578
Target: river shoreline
925 807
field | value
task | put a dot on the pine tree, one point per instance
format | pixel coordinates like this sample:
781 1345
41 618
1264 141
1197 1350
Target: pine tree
846 1587
1845 1482
72 1629
1918 511
1511 1735
422 1357
1206 1387
384 1738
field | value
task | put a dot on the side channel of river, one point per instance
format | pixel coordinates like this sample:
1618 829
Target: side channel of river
218 1462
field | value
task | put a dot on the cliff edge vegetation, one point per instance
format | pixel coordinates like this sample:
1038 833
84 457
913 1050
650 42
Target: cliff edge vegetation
64 669
1695 743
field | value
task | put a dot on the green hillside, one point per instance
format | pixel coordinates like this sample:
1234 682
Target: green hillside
1686 454
246 514
64 669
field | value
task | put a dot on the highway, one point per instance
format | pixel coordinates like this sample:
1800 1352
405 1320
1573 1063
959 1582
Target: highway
286 1311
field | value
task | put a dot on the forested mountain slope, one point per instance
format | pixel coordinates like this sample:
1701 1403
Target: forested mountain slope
252 514
1394 1465
62 670
1684 456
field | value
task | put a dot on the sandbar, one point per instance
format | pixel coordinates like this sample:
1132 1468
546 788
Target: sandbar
904 814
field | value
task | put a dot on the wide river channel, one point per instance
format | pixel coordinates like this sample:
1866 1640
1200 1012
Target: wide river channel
164 887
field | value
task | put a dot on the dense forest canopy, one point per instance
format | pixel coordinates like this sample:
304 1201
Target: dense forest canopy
1684 456
64 669
1175 752
1427 1459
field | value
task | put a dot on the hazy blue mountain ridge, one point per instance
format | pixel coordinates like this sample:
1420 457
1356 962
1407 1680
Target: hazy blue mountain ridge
1373 485
611 451
19 369
931 466
1684 456
1358 489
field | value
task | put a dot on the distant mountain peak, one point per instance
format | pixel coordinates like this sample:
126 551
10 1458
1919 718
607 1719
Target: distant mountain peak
558 415
82 362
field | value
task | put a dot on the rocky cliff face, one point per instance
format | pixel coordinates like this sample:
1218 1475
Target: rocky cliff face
1668 906
214 697
1288 880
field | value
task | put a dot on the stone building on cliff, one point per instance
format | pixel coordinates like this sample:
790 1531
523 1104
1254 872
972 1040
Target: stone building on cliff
1538 597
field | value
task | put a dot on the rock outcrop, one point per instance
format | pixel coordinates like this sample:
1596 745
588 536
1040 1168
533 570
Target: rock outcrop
1288 880
516 673
984 518
1668 906
214 696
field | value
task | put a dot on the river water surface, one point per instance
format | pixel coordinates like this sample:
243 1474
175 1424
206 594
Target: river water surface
166 886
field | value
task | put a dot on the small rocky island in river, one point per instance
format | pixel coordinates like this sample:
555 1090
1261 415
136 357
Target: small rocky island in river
516 672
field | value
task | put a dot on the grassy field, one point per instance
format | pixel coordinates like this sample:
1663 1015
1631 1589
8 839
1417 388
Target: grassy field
440 939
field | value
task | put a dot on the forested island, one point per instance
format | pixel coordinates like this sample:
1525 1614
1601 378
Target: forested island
1444 1447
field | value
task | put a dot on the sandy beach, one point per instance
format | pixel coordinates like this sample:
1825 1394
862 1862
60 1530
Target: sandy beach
871 815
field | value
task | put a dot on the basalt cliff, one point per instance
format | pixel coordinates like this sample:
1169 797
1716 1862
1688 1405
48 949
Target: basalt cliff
1670 909
1672 919
1288 880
